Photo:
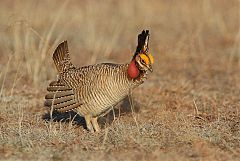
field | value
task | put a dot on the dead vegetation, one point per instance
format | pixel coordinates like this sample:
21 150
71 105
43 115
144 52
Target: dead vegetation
187 110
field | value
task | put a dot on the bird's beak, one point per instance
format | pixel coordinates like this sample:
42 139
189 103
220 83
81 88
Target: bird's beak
150 68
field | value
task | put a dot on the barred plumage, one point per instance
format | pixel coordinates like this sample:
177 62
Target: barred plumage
92 90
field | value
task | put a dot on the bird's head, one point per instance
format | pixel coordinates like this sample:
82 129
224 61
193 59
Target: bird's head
142 60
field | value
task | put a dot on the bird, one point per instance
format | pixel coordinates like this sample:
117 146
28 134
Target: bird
91 91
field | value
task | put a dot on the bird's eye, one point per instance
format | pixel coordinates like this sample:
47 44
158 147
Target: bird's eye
142 61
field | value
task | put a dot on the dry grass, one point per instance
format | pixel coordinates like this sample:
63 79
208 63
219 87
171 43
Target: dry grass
187 110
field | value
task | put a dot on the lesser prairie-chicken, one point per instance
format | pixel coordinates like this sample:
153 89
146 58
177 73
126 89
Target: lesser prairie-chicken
92 90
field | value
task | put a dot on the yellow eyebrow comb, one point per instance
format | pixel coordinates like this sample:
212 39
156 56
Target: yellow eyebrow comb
147 58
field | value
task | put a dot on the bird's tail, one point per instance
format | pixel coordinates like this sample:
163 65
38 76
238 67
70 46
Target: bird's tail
61 57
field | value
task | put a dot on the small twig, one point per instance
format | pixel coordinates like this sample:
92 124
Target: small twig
16 79
114 116
20 119
72 119
52 109
5 75
196 112
133 115
105 137
119 112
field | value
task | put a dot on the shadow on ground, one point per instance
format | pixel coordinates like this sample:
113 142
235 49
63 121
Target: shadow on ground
122 108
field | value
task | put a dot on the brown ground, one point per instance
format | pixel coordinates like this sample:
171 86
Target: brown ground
189 108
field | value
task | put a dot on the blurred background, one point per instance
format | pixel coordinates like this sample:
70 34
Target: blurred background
182 32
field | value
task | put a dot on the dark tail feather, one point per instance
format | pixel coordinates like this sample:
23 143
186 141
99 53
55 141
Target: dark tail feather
61 57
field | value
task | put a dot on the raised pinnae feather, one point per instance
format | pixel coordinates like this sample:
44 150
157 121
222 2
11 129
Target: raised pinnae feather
142 46
61 57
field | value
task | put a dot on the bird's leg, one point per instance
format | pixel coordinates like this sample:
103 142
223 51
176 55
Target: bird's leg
95 124
88 119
